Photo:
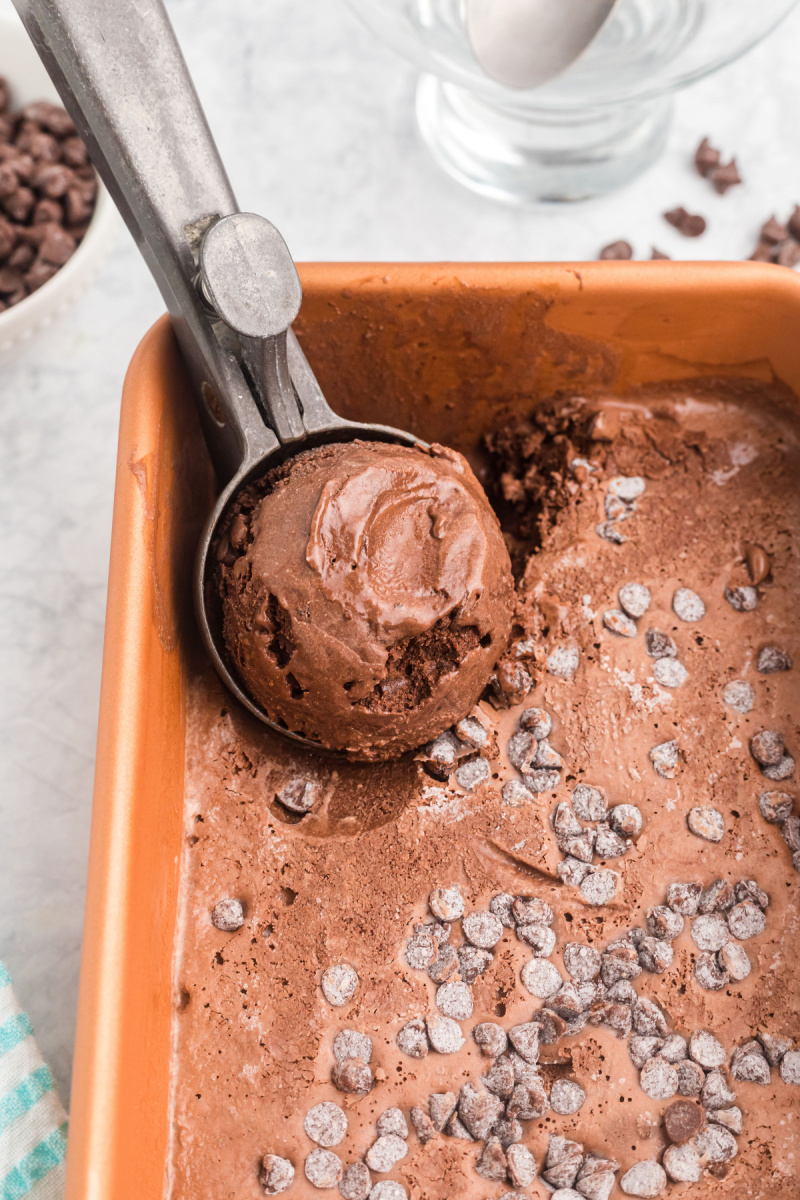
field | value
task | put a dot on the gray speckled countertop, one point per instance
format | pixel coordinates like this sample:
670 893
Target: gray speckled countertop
314 121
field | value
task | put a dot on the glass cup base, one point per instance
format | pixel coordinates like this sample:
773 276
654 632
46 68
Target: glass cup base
531 155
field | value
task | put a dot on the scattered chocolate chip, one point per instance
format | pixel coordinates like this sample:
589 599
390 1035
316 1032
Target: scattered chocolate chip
647 1179
413 1039
717 897
706 823
385 1153
447 903
421 949
531 910
684 898
664 758
540 938
622 992
731 1118
482 929
388 1189
706 158
663 922
609 532
541 978
551 1026
687 605
682 1163
670 673
775 806
275 1175
537 722
749 1065
492 1163
348 1043
478 1111
618 623
566 1097
790 1067
454 999
227 915
339 983
774 1046
596 1177
582 962
771 659
562 661
510 684
444 1035
691 1078
710 931
392 1121
563 1162
441 755
525 1040
709 974
683 1119
500 1078
441 1107
739 696
766 747
472 774
658 1079
734 961
716 1093
356 1182
675 1048
648 1019
625 819
470 730
746 920
634 599
621 962
689 224
572 871
528 1101
725 177
589 803
616 251
352 1076
325 1124
715 1144
743 599
521 1165
542 781
643 1047
777 772
655 955
323 1168
659 645
446 963
758 563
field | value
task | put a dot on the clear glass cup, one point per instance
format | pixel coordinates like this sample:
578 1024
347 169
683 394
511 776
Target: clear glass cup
596 126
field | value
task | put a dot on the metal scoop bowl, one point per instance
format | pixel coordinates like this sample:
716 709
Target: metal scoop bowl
228 279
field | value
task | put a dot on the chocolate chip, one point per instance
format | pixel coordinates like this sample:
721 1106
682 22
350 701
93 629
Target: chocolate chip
717 897
670 673
775 806
625 819
446 963
482 929
502 905
658 1079
746 920
663 922
454 999
734 961
715 1144
773 233
491 1038
521 1165
738 695
546 758
683 1119
339 983
691 1078
731 1118
441 1107
456 1129
622 992
385 1153
551 1026
748 1065
706 823
646 1178
748 889
620 963
774 1046
618 623
299 796
541 978
716 1093
779 771
542 781
582 962
388 1189
710 931
790 1067
478 1111
423 1125
682 1163
589 803
356 1182
447 903
643 1047
609 532
492 1163
532 910
325 1124
352 1076
275 1175
709 973
537 722
441 755
515 793
616 251
510 684
444 1035
599 887
725 177
771 659
323 1168
655 955
499 1079
766 747
664 758
528 1101
563 1162
566 1097
684 897
706 158
648 1019
608 844
421 949
413 1039
596 1177
540 938
634 599
563 661
659 645
572 871
348 1043
689 224
392 1121
743 599
525 1040
675 1048
227 915
470 730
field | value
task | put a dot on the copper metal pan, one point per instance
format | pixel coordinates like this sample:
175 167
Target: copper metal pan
438 349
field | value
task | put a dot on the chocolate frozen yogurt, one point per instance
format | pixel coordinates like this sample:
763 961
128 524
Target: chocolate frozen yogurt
367 594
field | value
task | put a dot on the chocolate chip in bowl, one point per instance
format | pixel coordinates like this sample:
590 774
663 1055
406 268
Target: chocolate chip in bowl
57 222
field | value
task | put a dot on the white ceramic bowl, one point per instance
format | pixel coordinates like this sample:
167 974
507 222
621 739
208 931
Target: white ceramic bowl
20 65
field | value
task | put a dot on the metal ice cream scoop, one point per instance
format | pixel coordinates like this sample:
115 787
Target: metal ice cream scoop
525 43
227 277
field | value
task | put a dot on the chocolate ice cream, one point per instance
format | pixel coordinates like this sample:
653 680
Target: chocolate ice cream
367 594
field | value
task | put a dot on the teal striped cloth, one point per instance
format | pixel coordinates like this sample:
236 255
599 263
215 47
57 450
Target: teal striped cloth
33 1125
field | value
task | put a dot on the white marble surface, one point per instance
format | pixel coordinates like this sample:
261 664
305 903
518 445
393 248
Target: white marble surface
314 121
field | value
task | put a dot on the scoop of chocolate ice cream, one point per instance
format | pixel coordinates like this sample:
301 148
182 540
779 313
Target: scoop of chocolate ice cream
366 593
